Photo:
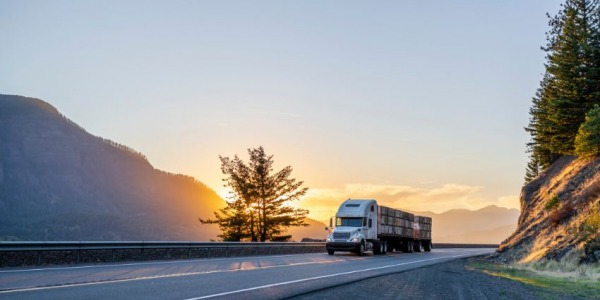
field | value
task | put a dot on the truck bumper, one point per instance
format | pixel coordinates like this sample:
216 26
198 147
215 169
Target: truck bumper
342 246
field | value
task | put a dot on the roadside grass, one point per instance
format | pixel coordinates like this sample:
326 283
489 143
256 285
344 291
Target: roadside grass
549 286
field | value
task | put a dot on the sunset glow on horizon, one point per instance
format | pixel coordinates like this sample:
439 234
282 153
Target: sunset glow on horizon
418 105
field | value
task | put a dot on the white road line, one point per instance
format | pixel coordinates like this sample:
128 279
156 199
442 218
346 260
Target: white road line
161 276
324 276
147 263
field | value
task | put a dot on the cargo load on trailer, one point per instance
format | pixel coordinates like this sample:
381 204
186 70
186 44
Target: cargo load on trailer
363 225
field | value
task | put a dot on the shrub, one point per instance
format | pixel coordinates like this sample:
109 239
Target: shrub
552 203
590 228
565 211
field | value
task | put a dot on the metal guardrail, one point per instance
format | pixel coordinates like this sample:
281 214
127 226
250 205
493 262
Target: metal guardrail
454 245
14 254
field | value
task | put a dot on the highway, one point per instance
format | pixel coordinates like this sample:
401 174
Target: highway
256 277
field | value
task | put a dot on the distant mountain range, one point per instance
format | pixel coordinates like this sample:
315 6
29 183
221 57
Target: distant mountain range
58 182
491 224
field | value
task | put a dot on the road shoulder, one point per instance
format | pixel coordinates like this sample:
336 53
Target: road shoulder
452 280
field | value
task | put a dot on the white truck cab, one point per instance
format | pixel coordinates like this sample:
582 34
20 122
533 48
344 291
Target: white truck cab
355 227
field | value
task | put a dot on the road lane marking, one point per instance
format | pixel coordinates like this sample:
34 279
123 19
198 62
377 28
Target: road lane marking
324 276
160 276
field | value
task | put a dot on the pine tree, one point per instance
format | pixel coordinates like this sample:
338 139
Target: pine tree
233 220
273 192
570 63
260 198
571 84
587 142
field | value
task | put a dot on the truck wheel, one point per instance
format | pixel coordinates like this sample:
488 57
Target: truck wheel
330 252
417 246
361 249
377 246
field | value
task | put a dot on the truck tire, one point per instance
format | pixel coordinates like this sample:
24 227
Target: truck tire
361 249
417 246
409 247
377 247
330 252
427 246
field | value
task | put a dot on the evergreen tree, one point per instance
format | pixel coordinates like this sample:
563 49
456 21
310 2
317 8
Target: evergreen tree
533 169
260 199
587 142
233 220
571 84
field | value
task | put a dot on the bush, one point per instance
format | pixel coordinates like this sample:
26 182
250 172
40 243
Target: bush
552 203
565 211
590 228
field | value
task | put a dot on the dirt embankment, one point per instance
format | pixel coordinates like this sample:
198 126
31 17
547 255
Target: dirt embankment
557 212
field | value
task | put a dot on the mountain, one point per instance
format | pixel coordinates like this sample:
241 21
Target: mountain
491 224
58 182
560 215
314 230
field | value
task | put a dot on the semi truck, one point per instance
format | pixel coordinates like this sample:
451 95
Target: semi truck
361 225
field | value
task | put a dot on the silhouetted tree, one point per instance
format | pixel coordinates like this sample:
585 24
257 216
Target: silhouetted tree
261 197
232 220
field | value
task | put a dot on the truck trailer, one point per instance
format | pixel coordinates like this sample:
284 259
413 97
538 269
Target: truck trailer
362 225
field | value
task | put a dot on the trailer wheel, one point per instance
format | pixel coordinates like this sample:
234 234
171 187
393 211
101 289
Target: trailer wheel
417 246
330 252
427 246
409 247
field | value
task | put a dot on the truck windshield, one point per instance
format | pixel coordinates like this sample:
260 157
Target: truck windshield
352 222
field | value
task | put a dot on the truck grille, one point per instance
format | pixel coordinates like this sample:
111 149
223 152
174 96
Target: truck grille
341 235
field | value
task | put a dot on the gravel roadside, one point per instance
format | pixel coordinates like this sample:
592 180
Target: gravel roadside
451 280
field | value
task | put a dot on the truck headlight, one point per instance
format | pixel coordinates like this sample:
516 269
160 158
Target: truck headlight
328 239
355 239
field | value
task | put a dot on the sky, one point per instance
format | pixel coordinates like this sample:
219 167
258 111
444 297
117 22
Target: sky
418 104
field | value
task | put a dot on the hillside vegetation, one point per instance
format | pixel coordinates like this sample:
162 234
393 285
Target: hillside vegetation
560 216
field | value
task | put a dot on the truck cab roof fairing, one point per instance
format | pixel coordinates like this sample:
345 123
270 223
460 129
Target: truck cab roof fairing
355 207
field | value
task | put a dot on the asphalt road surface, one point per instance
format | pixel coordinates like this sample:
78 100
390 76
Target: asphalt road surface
258 277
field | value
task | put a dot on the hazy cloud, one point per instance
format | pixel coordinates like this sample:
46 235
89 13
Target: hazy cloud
323 202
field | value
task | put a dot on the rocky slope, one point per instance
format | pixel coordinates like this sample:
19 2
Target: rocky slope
556 208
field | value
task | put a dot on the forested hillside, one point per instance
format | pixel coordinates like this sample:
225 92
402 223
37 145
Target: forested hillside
560 203
58 182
